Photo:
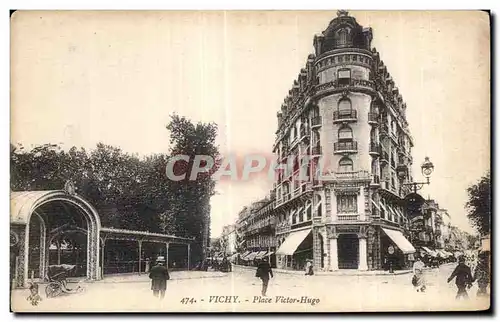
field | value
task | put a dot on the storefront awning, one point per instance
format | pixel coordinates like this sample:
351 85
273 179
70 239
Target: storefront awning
430 251
293 241
442 253
400 241
261 254
245 254
251 256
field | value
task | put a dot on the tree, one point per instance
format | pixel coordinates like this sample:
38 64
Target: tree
479 204
191 198
127 191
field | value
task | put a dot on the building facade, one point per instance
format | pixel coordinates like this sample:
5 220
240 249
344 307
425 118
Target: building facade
229 239
256 231
343 124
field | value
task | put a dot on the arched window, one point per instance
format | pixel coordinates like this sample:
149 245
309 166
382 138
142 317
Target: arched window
318 206
374 167
345 165
373 137
308 210
344 107
345 133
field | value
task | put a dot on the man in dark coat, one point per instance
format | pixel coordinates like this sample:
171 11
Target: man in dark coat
264 272
159 276
463 278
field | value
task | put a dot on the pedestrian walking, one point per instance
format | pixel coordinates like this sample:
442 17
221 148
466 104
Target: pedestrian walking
418 279
309 267
463 278
482 274
159 276
264 272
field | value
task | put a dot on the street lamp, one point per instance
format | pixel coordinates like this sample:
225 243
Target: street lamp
427 169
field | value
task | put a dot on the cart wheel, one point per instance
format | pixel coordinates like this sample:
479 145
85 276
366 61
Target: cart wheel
53 290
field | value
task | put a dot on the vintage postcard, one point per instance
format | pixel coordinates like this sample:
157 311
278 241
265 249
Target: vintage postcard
250 161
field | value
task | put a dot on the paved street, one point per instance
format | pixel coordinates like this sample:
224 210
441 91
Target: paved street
323 293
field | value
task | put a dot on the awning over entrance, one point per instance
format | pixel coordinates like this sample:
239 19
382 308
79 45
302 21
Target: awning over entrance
400 241
251 256
429 251
261 254
442 253
293 241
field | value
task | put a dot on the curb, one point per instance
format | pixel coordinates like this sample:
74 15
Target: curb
336 273
147 280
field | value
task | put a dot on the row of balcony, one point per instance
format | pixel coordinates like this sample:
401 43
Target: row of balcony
296 192
339 83
352 116
339 218
345 146
352 146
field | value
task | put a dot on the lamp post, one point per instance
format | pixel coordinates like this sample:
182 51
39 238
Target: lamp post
427 169
402 172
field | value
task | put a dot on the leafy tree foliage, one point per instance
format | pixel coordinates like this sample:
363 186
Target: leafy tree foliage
479 204
191 198
128 191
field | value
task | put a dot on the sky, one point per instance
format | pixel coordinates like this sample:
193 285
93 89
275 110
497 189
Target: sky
79 78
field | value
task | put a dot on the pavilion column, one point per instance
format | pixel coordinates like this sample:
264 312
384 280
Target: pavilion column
189 255
166 255
43 252
103 252
140 256
58 253
21 265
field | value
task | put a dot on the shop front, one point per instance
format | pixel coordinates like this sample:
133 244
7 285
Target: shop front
295 250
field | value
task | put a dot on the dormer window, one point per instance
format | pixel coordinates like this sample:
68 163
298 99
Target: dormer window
344 76
342 37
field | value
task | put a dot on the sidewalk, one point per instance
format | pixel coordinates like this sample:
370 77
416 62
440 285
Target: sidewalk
343 272
144 277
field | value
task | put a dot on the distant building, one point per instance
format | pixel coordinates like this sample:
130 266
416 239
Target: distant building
229 239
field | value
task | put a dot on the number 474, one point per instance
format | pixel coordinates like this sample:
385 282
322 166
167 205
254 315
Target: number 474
188 300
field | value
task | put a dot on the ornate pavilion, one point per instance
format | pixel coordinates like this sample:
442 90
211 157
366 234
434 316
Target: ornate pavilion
39 218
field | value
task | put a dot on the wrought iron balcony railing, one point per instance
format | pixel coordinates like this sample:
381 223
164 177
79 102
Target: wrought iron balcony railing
375 148
373 118
316 121
345 116
345 146
316 150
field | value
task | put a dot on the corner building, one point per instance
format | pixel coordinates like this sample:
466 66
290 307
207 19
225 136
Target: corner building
344 113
